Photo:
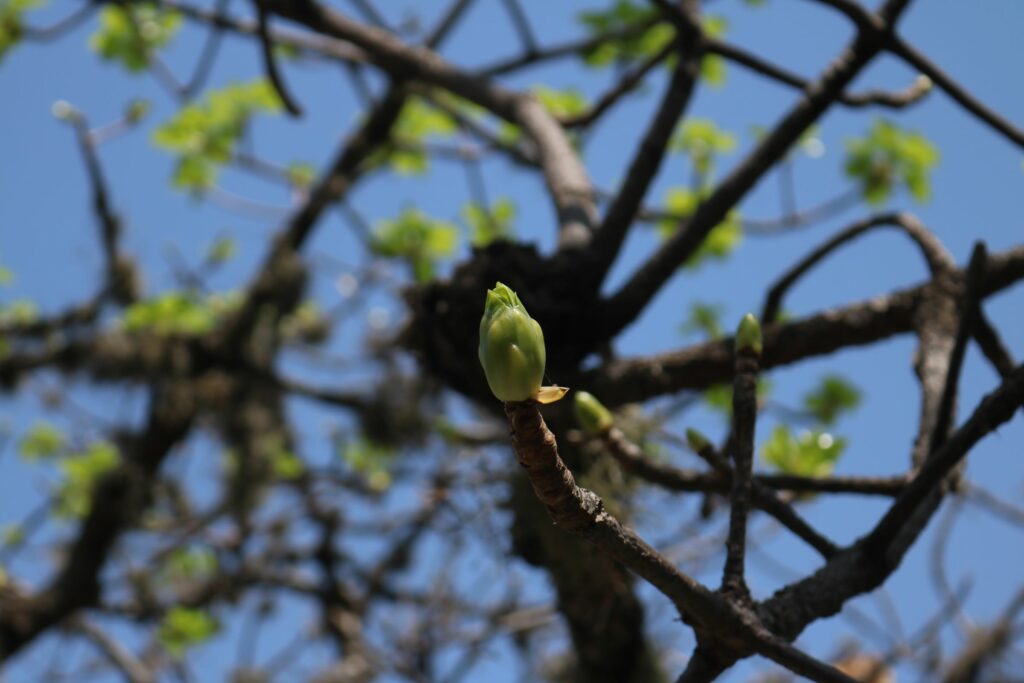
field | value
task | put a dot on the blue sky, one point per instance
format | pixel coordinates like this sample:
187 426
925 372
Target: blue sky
47 236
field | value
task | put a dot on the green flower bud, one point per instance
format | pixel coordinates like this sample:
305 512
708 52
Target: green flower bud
511 347
593 417
748 336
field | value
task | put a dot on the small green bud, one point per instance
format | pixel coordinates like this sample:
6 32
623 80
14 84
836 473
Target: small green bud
511 347
748 336
136 110
698 442
593 417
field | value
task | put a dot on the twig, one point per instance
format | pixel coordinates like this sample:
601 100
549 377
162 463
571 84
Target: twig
744 410
270 60
934 253
912 94
627 303
959 94
645 163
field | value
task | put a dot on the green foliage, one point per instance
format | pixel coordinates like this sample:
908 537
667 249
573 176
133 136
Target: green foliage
682 202
221 250
6 276
417 239
80 473
371 460
12 535
204 135
488 224
620 16
285 464
43 440
417 123
712 67
190 563
704 318
184 627
702 141
888 157
176 312
811 454
833 396
301 174
560 103
130 34
12 22
307 323
18 312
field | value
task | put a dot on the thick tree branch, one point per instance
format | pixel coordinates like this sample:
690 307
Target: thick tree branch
646 162
935 255
629 301
700 366
567 180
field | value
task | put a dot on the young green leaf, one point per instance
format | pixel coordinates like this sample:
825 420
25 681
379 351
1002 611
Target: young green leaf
889 157
833 396
185 627
43 440
131 33
80 473
811 454
417 239
204 135
488 224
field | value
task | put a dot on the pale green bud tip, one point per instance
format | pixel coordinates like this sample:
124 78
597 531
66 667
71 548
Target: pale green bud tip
593 417
511 347
748 336
698 442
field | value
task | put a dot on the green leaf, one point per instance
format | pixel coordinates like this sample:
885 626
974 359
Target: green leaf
175 312
833 396
306 323
130 34
681 203
203 135
704 318
720 242
6 276
419 240
618 18
12 25
811 454
560 103
702 141
488 224
184 627
418 122
371 460
12 535
18 312
221 250
889 157
80 474
287 465
712 70
191 563
43 440
301 174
